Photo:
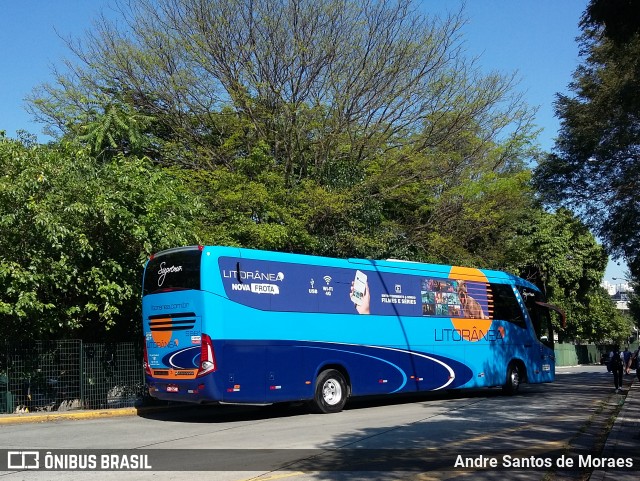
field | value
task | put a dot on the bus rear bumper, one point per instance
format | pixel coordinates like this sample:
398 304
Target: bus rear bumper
192 391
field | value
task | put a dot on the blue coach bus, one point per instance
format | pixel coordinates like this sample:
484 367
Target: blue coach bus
233 325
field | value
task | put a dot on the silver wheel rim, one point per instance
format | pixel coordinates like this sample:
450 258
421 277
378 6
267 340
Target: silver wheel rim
515 378
331 392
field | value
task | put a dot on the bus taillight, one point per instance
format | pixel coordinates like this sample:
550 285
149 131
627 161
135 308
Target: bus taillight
145 360
207 357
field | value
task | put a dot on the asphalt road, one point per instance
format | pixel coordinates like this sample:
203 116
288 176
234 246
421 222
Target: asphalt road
435 436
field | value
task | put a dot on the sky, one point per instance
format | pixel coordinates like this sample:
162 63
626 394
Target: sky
534 38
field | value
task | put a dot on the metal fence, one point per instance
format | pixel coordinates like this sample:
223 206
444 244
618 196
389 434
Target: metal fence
69 374
574 354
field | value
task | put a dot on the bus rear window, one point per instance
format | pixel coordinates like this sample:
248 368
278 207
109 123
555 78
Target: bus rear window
173 270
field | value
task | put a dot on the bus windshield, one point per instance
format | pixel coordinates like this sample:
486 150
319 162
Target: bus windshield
540 314
176 269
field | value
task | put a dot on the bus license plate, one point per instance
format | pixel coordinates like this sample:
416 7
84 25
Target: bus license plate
171 388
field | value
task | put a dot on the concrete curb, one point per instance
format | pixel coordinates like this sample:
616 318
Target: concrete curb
81 414
46 417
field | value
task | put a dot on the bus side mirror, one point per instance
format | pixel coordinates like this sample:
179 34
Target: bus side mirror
560 312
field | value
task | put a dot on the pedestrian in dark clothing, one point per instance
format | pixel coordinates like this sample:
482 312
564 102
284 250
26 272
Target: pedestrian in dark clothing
635 362
617 366
626 356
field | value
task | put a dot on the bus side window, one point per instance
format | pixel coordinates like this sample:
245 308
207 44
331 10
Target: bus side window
505 305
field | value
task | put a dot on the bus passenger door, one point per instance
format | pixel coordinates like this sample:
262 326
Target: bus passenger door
546 314
541 354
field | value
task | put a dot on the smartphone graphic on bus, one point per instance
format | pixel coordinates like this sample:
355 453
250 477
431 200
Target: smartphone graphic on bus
359 287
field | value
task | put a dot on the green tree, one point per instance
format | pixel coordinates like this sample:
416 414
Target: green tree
76 234
328 85
459 202
335 127
341 127
596 165
602 321
559 254
618 20
634 307
467 222
115 129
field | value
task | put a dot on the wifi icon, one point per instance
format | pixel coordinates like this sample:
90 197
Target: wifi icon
327 279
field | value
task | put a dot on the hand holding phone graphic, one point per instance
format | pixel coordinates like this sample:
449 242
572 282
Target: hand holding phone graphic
360 293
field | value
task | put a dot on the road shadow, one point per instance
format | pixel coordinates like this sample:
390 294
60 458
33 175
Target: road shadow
542 420
475 425
225 413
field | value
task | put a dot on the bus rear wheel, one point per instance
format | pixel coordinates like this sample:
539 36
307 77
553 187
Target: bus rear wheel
514 377
330 394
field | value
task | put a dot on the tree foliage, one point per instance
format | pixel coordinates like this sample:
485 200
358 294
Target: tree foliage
596 166
115 129
75 236
617 20
559 254
347 128
328 85
344 127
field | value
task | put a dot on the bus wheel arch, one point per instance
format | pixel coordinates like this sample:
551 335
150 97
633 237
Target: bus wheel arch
332 390
516 375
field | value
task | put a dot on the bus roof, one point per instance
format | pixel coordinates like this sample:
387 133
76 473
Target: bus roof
372 264
491 275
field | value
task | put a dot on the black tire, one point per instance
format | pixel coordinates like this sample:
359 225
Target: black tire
331 393
514 378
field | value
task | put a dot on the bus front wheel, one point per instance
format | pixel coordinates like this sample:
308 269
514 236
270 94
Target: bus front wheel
330 394
514 376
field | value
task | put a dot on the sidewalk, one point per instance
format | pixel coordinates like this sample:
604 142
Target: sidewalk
624 438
